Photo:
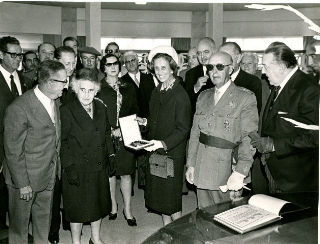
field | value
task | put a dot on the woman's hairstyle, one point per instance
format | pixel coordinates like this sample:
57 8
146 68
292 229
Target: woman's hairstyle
85 74
172 64
103 61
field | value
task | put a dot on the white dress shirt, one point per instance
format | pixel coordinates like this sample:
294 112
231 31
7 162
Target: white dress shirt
135 78
47 102
7 75
220 91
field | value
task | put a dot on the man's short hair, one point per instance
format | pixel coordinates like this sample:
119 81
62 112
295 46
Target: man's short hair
44 44
63 49
210 41
129 53
47 68
254 55
27 53
70 38
235 46
283 54
4 41
109 44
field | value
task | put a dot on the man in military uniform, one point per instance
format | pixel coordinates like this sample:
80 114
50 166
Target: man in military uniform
224 117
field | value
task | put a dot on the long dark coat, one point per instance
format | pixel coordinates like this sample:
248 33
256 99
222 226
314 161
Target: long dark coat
86 143
170 122
125 160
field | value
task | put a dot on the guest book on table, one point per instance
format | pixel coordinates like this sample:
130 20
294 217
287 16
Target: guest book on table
131 133
261 210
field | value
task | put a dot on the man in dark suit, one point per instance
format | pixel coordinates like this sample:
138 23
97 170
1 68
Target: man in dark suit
72 42
240 77
10 88
137 78
291 153
197 79
32 145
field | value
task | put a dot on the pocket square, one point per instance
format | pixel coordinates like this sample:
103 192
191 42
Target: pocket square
280 112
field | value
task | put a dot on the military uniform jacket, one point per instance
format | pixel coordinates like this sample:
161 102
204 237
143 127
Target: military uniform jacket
232 118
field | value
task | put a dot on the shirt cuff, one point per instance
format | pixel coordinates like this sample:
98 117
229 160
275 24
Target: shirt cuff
164 145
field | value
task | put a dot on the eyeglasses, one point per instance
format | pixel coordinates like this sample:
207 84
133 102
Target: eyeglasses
14 55
61 81
112 51
110 64
219 67
131 61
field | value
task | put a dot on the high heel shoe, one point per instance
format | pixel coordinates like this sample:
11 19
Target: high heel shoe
131 222
113 216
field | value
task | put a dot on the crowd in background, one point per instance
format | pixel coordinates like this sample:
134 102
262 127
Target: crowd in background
217 121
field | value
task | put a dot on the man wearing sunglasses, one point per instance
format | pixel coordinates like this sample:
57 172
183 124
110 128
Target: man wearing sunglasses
12 84
197 79
32 144
224 116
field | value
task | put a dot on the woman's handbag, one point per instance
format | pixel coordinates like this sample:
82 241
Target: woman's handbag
161 166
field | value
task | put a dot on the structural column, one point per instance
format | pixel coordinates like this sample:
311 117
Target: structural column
68 22
93 24
215 22
198 27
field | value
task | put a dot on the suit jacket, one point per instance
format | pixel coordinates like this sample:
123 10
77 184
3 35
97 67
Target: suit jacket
6 98
191 79
232 118
294 164
32 144
85 142
170 119
252 83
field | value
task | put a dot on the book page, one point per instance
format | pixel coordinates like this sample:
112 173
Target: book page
245 218
268 203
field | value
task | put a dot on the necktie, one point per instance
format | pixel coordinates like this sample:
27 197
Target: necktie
14 89
269 104
136 80
216 96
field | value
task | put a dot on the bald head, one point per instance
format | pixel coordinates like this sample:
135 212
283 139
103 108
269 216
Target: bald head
220 68
206 47
234 50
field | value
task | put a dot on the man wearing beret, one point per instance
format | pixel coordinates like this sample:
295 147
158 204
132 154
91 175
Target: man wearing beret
89 59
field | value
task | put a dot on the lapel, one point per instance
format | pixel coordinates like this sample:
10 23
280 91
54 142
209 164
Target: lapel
82 116
39 110
57 121
4 86
165 96
281 100
224 101
24 87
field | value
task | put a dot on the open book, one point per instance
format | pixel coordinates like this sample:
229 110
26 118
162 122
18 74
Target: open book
131 133
260 211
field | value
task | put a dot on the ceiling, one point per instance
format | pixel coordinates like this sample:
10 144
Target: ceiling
164 6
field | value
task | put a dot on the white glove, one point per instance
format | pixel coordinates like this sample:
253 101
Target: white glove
235 181
190 175
156 145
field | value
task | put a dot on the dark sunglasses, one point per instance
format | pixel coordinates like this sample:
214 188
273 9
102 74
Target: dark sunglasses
14 55
61 81
110 64
112 51
219 67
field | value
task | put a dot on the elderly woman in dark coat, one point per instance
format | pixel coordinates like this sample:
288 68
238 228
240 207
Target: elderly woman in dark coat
168 126
121 101
85 148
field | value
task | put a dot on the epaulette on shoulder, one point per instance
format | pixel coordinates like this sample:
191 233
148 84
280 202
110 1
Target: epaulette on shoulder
98 99
245 90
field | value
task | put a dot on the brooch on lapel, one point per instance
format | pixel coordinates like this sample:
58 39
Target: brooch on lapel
231 104
226 125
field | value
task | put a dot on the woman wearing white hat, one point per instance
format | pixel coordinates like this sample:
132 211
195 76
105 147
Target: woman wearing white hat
168 126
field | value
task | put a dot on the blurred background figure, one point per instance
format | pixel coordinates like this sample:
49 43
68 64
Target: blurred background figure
313 60
46 51
120 98
192 62
72 42
249 63
30 63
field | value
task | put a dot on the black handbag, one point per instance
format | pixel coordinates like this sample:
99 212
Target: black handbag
161 165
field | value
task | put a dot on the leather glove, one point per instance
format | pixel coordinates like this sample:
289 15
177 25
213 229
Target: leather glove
72 175
263 144
112 165
235 181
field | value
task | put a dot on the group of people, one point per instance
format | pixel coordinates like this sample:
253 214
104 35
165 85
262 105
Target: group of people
60 133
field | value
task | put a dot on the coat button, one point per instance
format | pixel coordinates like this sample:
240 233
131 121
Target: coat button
99 163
